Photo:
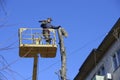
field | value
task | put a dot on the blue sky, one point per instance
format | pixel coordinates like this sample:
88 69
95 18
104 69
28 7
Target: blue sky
86 21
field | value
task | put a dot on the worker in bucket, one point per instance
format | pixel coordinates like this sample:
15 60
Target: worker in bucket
46 25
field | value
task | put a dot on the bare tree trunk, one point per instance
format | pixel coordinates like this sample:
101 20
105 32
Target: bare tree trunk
63 55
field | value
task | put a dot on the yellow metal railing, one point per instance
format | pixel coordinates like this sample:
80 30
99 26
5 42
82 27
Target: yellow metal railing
35 36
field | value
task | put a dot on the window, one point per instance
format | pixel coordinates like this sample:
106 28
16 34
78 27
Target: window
101 71
118 54
115 61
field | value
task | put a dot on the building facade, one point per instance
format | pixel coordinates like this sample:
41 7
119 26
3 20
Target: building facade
103 63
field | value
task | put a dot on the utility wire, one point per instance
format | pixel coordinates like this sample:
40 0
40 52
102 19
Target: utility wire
58 74
4 67
2 77
3 59
3 7
16 73
8 75
8 39
7 25
10 72
85 45
8 47
4 62
12 44
2 25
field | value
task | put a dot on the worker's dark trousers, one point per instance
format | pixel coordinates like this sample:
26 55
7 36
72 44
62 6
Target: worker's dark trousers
46 34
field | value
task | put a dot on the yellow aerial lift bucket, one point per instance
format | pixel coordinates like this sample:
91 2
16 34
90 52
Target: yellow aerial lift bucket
32 43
